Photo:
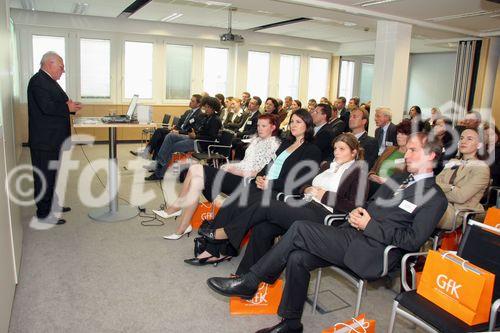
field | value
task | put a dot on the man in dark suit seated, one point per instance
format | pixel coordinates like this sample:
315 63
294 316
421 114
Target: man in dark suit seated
249 128
176 142
357 124
337 124
403 213
385 134
343 112
192 118
49 111
323 133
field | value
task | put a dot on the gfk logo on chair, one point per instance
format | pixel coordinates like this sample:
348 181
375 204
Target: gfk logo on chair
265 301
461 288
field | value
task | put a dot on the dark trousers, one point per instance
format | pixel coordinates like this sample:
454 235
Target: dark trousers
40 160
304 247
156 140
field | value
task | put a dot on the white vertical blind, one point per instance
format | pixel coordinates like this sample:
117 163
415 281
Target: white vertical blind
318 78
43 44
258 73
95 64
215 70
289 76
346 78
366 81
138 69
179 63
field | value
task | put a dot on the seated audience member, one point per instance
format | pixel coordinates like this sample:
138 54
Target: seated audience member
357 124
295 166
296 104
353 103
416 119
491 136
259 153
311 105
392 159
464 180
175 142
248 128
245 99
324 100
429 123
336 123
323 131
192 118
339 189
271 106
344 113
280 105
385 134
471 120
238 116
358 244
222 101
443 132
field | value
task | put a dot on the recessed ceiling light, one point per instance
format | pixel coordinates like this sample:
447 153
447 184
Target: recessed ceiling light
171 17
349 24
373 2
264 12
459 16
453 45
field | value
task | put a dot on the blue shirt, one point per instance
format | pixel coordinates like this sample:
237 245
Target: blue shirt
275 169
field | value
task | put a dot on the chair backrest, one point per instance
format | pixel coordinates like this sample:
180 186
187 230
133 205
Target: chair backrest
166 119
175 121
226 137
481 246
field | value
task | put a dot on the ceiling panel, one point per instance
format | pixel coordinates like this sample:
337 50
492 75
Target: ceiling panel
108 8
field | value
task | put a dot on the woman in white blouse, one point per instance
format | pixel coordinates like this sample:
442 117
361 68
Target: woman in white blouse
228 178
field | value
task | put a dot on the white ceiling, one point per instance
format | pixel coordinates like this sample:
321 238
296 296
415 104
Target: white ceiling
341 21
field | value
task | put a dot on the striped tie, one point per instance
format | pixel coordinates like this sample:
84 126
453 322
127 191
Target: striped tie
404 184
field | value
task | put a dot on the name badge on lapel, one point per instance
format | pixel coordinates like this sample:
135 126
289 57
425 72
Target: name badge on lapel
389 144
191 120
407 206
399 161
249 122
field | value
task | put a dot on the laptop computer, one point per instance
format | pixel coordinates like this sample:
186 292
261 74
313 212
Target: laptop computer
124 118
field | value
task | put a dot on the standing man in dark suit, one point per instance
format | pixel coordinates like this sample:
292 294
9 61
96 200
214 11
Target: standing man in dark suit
344 112
357 124
323 134
49 111
385 134
403 214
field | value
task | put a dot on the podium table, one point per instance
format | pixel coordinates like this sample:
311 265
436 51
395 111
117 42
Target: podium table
114 212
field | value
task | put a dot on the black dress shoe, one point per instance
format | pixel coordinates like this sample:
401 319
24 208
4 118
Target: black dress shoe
66 209
232 287
51 220
282 327
153 177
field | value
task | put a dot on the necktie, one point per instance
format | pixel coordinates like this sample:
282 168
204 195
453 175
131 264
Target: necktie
404 184
186 121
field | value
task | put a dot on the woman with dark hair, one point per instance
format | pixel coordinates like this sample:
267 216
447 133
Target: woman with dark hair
391 161
442 131
200 178
464 180
271 106
416 119
296 163
338 189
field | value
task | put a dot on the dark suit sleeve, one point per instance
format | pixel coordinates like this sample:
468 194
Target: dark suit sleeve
324 142
371 152
46 103
253 127
410 237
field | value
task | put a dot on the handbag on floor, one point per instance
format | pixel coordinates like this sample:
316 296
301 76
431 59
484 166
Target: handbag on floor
354 325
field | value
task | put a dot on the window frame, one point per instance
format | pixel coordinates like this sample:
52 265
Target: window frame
253 49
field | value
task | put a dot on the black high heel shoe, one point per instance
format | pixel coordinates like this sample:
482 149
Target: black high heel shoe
205 261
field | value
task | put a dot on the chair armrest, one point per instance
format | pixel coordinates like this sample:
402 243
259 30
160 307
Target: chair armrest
197 147
466 212
385 267
493 314
491 189
216 146
330 218
248 180
405 258
292 196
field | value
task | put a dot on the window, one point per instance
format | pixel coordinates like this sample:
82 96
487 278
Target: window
95 62
346 79
318 78
179 62
138 69
215 71
289 76
43 44
258 73
365 86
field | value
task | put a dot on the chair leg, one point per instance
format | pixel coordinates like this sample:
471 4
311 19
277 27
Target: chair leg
361 285
316 291
395 305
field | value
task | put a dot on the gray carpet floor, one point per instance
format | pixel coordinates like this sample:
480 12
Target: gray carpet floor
124 277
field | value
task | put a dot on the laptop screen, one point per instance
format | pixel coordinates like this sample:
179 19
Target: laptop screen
131 107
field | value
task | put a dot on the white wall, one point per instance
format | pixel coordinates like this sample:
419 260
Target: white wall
430 81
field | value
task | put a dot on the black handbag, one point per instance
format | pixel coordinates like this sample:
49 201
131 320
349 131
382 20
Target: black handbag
200 245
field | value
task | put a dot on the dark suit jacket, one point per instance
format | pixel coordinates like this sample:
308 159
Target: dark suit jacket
338 127
323 139
250 125
390 136
370 146
344 116
352 190
198 118
393 225
306 152
236 121
48 113
210 128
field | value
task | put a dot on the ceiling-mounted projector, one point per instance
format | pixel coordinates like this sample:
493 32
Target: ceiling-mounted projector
229 36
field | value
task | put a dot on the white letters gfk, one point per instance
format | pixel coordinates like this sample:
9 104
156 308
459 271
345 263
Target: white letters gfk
448 285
